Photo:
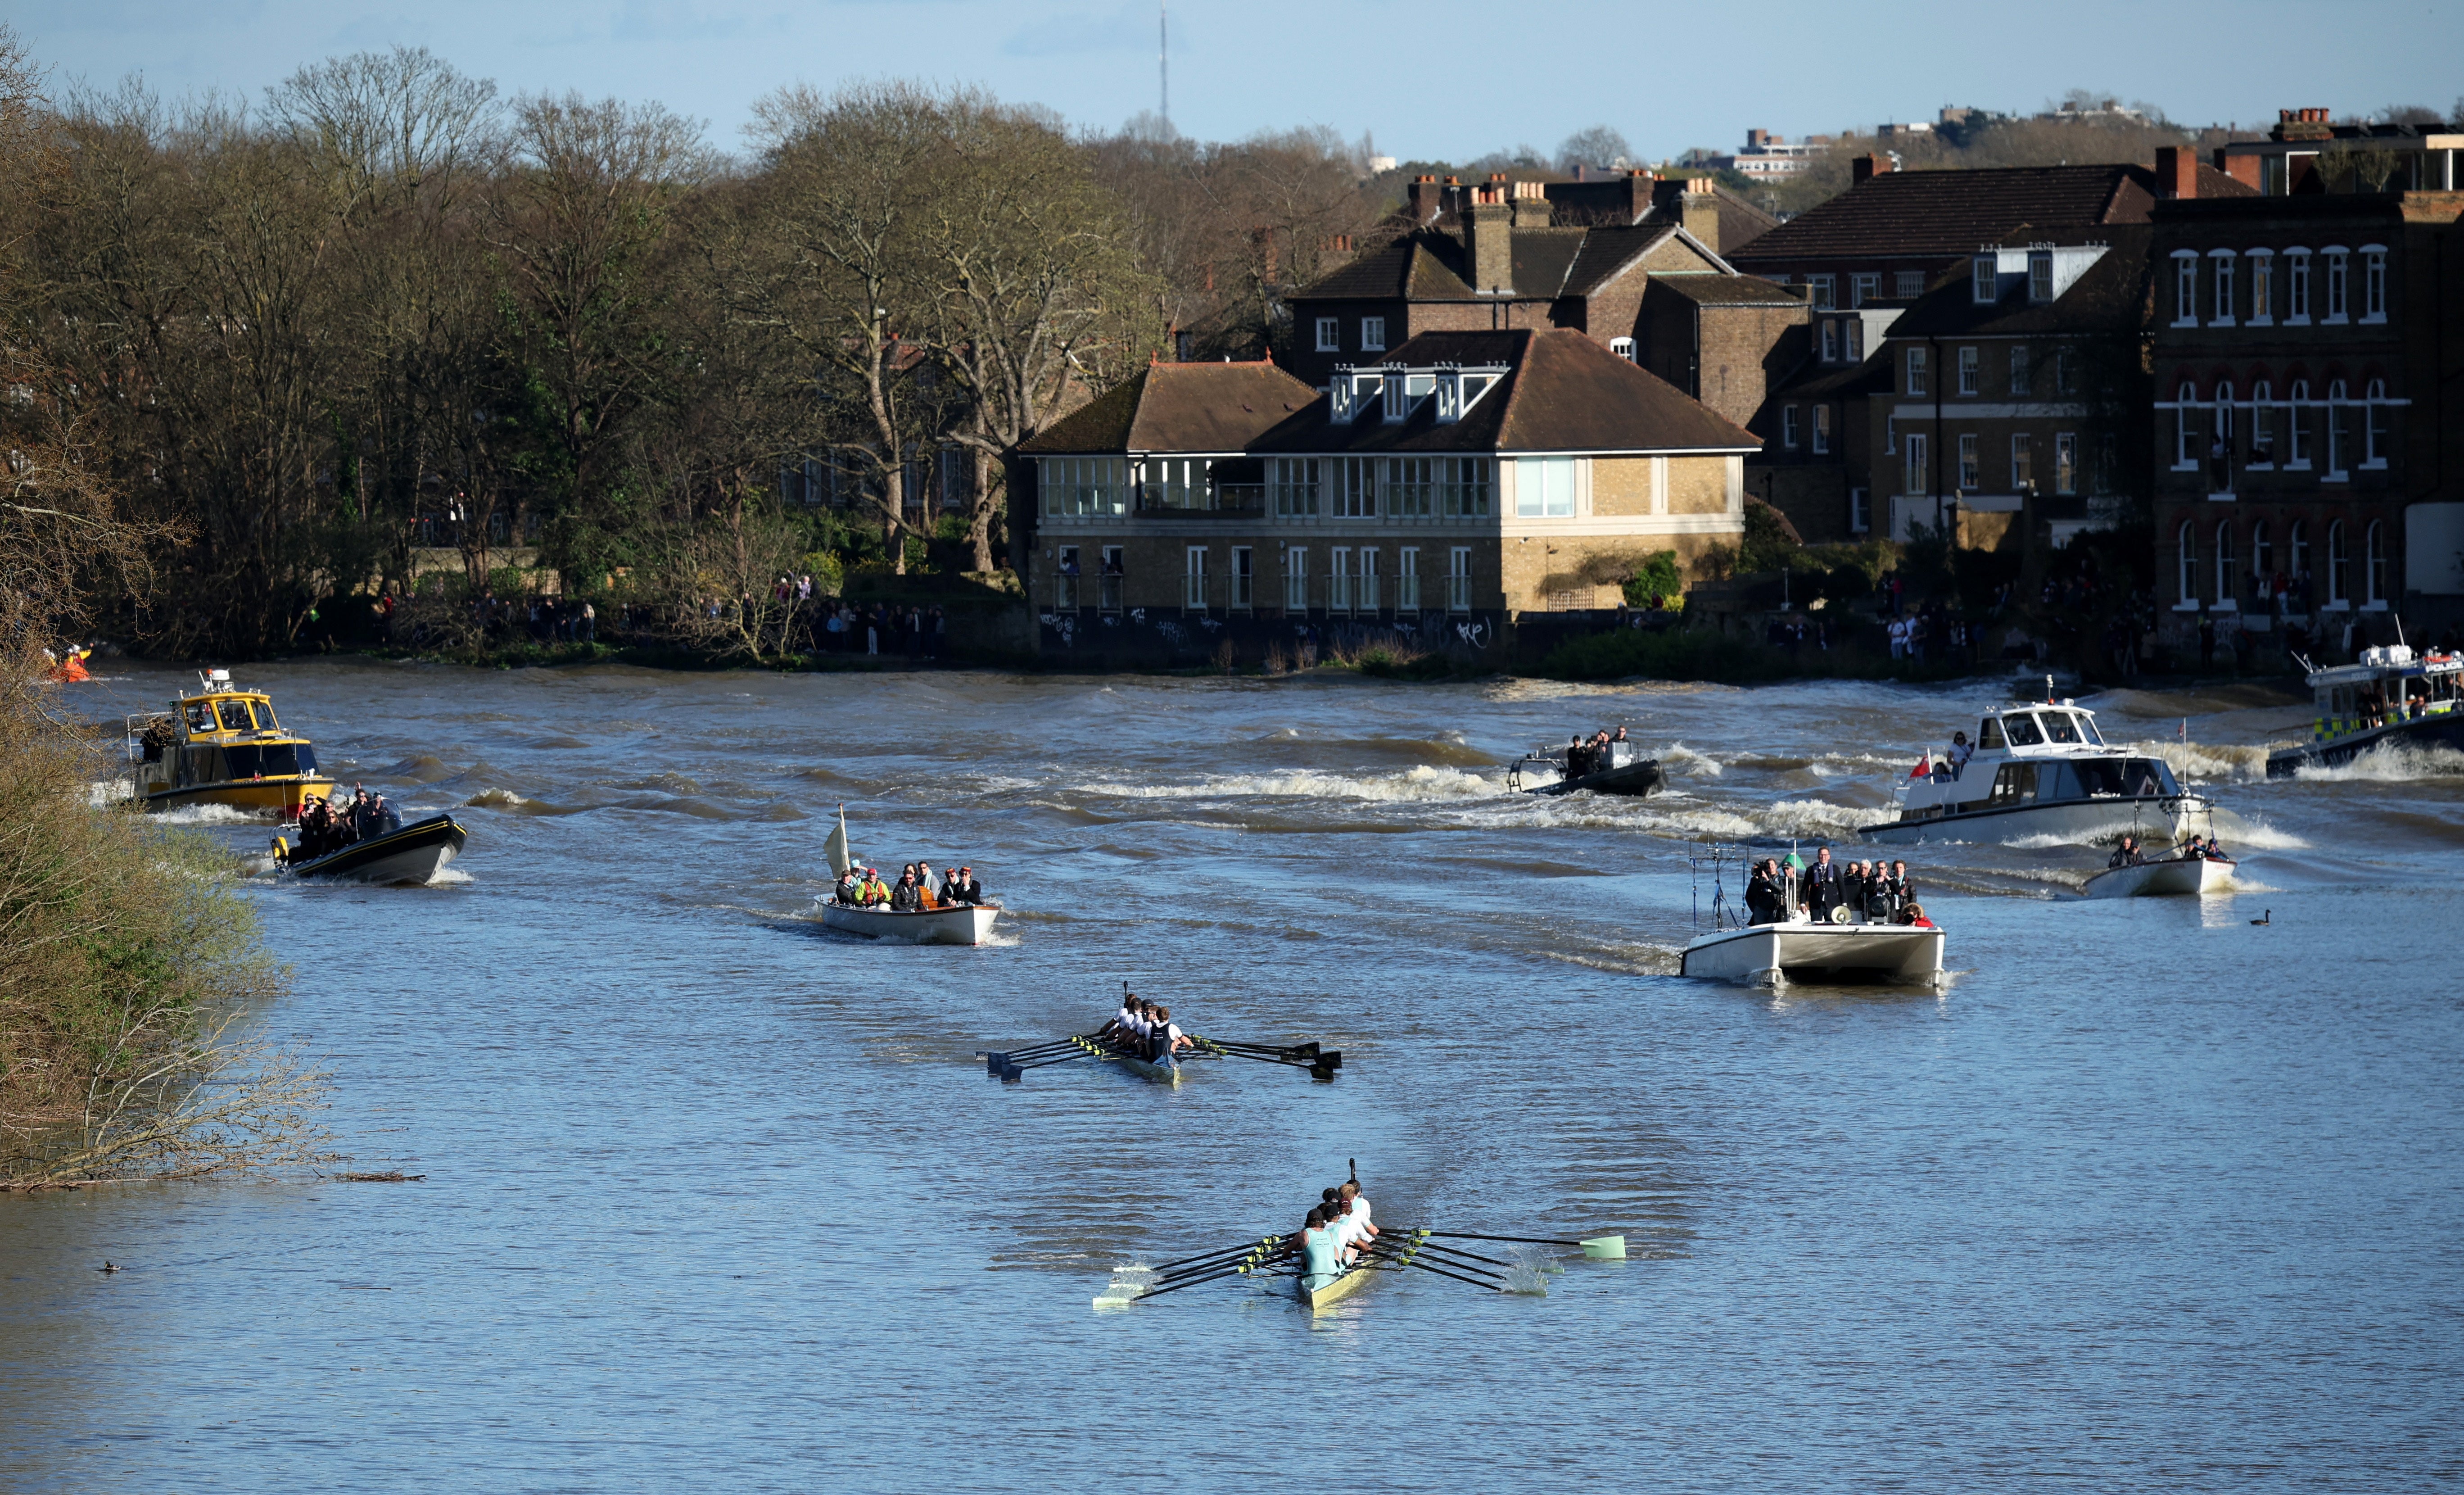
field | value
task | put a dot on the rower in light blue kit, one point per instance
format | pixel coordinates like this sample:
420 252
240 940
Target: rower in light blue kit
1321 1247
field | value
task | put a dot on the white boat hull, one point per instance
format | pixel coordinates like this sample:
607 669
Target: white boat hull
2195 877
1776 955
2086 822
960 925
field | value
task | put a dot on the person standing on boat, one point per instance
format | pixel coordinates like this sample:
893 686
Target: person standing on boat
1961 751
1822 887
1764 895
1901 892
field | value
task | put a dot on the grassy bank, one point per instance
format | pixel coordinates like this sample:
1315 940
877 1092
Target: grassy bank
128 965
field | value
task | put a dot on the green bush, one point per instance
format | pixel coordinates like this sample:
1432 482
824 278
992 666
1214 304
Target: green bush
1659 578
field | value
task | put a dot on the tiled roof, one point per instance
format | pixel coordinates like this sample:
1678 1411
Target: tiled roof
1816 381
1606 252
1729 290
1930 213
1563 394
1430 264
2111 295
1179 407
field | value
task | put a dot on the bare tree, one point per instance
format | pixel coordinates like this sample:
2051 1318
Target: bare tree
1599 146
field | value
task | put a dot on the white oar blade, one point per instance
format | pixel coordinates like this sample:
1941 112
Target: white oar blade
1605 1248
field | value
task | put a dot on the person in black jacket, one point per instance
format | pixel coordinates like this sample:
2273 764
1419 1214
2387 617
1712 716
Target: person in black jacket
1901 892
1765 896
1822 887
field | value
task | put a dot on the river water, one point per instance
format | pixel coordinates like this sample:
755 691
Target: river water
2150 1198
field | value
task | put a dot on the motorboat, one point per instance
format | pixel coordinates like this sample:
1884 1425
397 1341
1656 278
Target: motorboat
2039 768
1618 768
941 923
413 854
1804 952
2190 876
222 746
2389 694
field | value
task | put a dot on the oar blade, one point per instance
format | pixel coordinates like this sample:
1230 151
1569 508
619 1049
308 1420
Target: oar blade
1605 1248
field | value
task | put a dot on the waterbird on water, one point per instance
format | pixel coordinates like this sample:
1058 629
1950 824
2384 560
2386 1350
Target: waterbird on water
2264 915
106 1266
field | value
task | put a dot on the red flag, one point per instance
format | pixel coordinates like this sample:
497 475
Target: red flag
1924 768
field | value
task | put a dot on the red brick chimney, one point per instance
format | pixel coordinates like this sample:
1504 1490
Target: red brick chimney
2177 171
2243 169
1638 194
1425 199
1864 168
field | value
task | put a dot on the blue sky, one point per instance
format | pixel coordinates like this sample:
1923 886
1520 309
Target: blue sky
1438 78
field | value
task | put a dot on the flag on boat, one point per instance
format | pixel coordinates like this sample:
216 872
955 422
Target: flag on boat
841 863
1924 766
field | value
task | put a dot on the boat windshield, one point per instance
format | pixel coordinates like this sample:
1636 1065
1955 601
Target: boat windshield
2022 728
2088 729
1988 732
235 716
265 716
2058 727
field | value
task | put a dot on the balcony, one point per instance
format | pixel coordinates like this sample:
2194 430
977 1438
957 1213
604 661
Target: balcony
1216 500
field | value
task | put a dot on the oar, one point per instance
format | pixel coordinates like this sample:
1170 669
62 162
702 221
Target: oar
1320 1067
1606 1248
1191 1281
1165 1267
1275 1051
1441 1272
1251 1254
1450 1251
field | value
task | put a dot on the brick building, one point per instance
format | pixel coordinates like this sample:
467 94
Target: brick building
2011 397
1460 479
1501 261
2306 152
2304 344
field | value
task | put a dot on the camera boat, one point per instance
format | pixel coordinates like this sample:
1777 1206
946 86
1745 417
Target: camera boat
2041 769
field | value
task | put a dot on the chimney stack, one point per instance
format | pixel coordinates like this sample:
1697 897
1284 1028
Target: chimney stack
2177 171
1531 206
1756 140
1864 168
1637 195
1424 200
1488 246
1698 210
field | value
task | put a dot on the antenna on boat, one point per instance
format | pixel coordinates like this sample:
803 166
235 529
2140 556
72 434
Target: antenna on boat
2049 689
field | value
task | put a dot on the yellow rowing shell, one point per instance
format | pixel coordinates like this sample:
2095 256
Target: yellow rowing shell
1321 1299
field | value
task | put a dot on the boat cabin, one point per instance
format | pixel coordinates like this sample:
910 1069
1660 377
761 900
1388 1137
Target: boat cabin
2037 753
2384 686
223 745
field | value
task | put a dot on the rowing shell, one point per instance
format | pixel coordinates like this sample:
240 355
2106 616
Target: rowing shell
1160 1073
1320 1299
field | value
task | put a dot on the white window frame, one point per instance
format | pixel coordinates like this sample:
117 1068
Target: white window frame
1353 488
2223 416
2186 288
1917 371
1458 578
1296 579
1985 279
1243 579
2297 421
1373 335
1821 436
2224 560
2221 291
2187 455
1855 351
1866 285
1825 291
1830 341
1788 427
2065 462
1911 285
2374 565
1192 580
2263 288
1407 579
2375 433
2374 296
2339 557
1623 348
1544 488
1861 510
2040 276
1972 463
2185 575
2337 456
2262 428
1365 589
2296 288
2338 286
1329 335
1294 481
1971 373
1916 473
1338 578
2023 461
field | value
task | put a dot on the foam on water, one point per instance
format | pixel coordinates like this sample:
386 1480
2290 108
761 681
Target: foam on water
2391 763
205 815
2206 763
1421 783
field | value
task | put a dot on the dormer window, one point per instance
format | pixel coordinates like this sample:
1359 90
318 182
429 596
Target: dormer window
1339 400
1403 391
2040 276
1455 391
1984 278
1830 342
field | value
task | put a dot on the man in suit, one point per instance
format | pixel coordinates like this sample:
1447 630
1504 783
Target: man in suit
1822 887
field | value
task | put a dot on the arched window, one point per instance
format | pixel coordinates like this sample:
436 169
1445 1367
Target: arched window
2297 548
2220 442
2225 413
2374 563
2375 431
2262 565
2225 582
2189 580
2262 424
2185 443
2339 590
2336 427
2296 422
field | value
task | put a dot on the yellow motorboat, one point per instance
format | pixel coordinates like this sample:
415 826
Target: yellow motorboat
223 747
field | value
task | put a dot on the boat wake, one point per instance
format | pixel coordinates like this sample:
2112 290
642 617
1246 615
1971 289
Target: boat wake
2206 763
205 815
1424 783
2390 763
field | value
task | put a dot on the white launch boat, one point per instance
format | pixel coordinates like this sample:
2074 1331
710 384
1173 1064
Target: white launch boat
2041 769
2177 876
945 923
1806 953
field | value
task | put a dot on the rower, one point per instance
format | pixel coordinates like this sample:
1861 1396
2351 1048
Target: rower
1119 1025
1167 1038
1362 1229
1321 1260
